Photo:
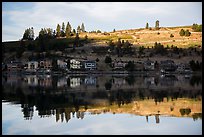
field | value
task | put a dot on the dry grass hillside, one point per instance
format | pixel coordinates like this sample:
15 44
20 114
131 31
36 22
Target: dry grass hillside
146 37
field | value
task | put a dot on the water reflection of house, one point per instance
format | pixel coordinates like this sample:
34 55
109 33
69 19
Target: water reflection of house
31 80
75 81
119 82
45 81
168 80
149 81
148 65
62 82
90 81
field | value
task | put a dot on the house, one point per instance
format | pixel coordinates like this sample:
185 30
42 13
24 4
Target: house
90 65
31 66
45 64
119 64
15 66
183 68
75 64
167 66
62 64
149 65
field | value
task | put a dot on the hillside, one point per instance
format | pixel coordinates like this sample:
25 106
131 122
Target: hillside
146 37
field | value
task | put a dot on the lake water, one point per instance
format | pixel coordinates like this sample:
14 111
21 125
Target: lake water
101 105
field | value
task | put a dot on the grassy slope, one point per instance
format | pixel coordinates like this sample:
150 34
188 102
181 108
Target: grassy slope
139 37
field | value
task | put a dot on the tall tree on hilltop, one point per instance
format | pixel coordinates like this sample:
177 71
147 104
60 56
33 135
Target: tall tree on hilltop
63 30
157 25
147 25
68 30
82 27
28 34
78 29
58 30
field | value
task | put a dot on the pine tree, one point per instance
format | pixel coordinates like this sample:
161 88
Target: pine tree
147 26
82 27
68 30
78 29
58 30
157 25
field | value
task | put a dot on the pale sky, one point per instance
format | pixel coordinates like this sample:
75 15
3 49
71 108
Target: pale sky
104 16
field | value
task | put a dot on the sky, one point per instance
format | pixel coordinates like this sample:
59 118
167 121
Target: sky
104 16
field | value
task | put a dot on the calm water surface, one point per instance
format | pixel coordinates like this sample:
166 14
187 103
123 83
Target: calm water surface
104 104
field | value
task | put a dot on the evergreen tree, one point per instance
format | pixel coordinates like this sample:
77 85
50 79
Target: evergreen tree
63 30
58 30
157 25
68 30
147 26
78 29
82 27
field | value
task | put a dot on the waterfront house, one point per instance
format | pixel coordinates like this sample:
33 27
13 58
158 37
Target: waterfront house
90 65
15 66
149 65
183 68
75 64
45 64
62 64
31 66
119 64
168 66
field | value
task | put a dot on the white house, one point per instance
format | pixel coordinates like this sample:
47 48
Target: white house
62 64
90 65
32 66
75 64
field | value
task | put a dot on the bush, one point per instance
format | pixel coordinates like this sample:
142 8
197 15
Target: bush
108 59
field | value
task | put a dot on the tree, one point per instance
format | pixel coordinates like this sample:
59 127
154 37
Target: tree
68 30
28 34
76 41
82 27
147 26
171 35
157 25
108 59
63 30
58 30
182 32
130 66
187 33
78 29
74 31
197 28
113 30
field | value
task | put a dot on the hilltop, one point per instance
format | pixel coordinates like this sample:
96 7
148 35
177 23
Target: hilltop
146 37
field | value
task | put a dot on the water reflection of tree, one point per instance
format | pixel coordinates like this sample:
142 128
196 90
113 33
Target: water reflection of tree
195 80
47 100
130 79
